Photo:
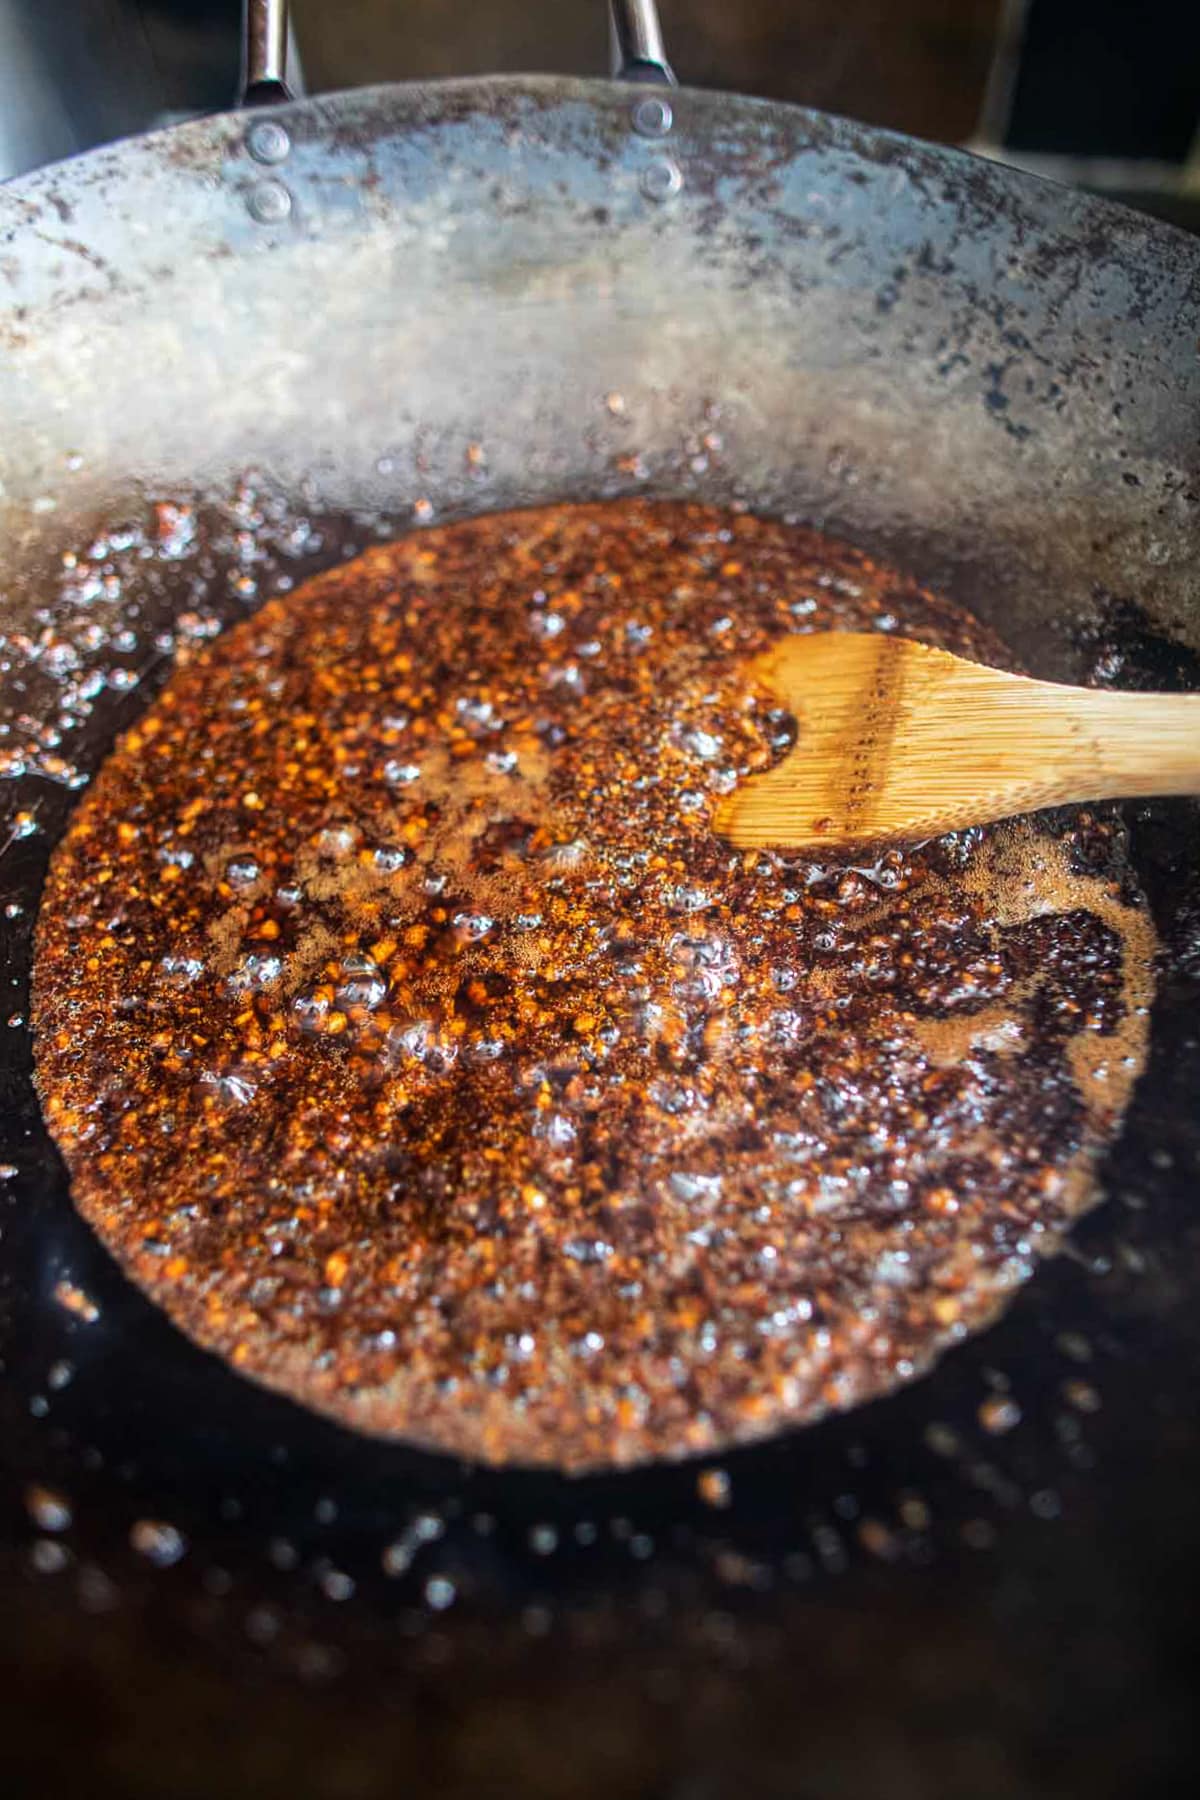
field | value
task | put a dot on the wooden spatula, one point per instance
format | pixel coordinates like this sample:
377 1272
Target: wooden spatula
897 741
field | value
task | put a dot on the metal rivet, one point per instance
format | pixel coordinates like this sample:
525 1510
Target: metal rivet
269 202
652 116
267 141
661 179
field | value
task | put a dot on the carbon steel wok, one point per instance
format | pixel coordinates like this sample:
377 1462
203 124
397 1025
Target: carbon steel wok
333 318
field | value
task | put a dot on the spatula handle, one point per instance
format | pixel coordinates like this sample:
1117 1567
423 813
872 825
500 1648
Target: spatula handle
1128 744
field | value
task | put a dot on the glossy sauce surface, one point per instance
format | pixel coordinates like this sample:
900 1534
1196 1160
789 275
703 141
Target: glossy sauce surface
412 1039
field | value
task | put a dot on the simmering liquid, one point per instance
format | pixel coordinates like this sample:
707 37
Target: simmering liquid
414 1042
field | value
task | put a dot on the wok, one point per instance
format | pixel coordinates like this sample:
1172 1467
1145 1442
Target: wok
333 318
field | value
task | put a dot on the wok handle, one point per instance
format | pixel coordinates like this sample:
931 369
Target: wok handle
264 66
638 53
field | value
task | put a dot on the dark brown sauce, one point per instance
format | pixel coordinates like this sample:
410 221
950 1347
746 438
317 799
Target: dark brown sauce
411 1038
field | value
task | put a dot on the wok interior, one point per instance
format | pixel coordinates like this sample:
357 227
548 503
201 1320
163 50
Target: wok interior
474 304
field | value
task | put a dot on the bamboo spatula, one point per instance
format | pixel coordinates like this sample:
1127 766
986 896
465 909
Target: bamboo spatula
897 741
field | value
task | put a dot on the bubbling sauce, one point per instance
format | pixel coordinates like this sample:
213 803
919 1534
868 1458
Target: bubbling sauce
414 1042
